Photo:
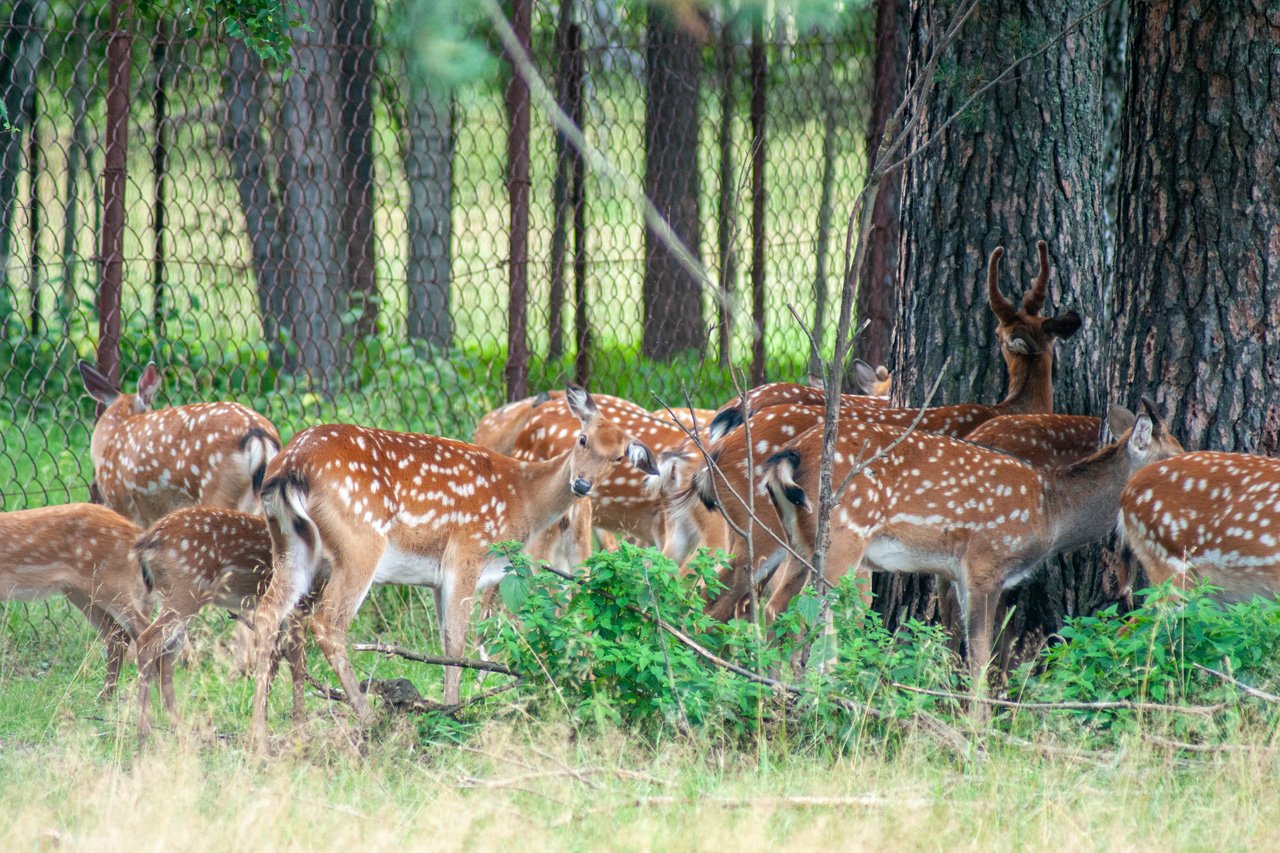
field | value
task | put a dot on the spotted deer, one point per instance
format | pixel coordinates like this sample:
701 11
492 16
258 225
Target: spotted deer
621 502
1026 343
982 519
1043 441
1207 516
147 463
398 508
195 557
82 552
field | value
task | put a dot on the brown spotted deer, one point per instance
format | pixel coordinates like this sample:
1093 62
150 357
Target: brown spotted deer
80 551
621 502
1207 516
147 463
1043 441
398 508
195 557
1026 343
982 519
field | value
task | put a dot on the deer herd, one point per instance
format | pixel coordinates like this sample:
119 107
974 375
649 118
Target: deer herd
202 504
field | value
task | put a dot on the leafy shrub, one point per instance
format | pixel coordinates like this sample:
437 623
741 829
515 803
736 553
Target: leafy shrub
1150 655
594 646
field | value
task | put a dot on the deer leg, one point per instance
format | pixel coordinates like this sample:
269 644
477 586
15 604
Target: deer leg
979 605
579 534
155 658
739 586
274 605
336 608
295 651
114 635
456 598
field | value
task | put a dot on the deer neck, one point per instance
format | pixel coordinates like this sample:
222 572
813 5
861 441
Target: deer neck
108 426
1030 385
1083 499
546 492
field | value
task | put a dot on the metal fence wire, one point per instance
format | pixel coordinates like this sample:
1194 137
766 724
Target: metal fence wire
336 242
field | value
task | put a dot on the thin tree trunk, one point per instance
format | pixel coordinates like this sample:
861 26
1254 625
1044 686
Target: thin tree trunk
517 371
821 248
1197 319
312 200
727 209
159 168
560 213
583 344
428 166
1021 164
759 159
114 183
672 297
357 63
876 299
35 212
23 47
79 97
242 139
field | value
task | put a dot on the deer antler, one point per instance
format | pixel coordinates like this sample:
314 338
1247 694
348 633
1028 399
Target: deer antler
1002 307
1033 299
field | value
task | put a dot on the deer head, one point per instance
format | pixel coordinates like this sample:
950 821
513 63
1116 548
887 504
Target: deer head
601 445
1026 338
101 388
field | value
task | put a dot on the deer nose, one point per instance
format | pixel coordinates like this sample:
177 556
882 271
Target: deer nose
582 487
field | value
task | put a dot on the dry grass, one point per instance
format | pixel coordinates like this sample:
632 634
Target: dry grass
72 776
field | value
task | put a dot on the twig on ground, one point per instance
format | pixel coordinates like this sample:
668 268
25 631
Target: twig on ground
1210 748
409 654
1194 710
1244 688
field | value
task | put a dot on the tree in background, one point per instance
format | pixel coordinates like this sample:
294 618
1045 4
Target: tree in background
428 166
672 297
1196 318
357 60
1021 163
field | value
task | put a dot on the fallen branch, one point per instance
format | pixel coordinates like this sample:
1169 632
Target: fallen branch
799 801
436 660
1195 710
1209 748
1244 688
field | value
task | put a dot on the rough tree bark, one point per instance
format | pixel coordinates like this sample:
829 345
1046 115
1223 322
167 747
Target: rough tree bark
357 63
77 152
1196 318
246 152
428 166
567 76
1022 163
880 272
311 200
672 297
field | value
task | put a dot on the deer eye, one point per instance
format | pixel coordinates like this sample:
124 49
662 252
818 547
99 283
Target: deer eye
619 459
582 439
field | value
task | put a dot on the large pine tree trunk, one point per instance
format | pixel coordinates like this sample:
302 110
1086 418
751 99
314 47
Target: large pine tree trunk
311 199
428 166
1022 163
1197 321
357 62
672 297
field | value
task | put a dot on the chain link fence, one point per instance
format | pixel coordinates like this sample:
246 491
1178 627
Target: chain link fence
336 242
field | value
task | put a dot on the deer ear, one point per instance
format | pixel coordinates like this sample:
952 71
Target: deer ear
816 381
866 376
1140 437
581 404
642 457
97 384
1022 344
148 385
1063 325
1119 420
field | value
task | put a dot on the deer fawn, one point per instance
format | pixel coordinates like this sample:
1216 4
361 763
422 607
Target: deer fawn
194 557
148 463
389 507
1207 516
981 519
80 551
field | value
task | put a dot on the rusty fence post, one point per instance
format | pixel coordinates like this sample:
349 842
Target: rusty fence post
111 255
517 369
